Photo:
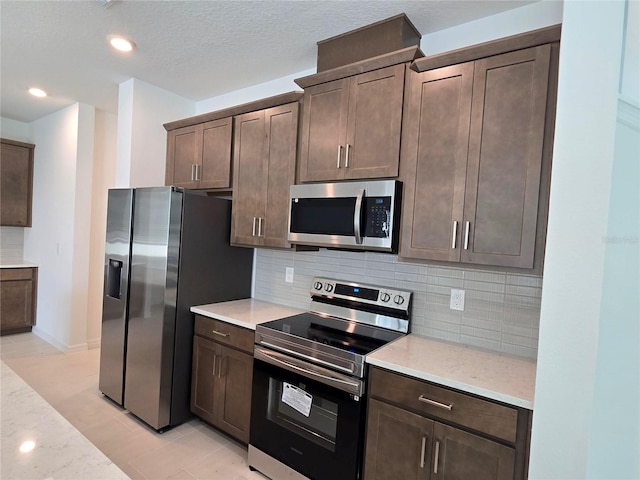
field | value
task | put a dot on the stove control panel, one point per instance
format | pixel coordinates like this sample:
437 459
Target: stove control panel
361 293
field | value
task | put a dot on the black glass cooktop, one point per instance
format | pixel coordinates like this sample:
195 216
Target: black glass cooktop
350 336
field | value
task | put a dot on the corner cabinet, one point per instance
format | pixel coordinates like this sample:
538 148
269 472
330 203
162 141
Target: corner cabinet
352 120
222 376
476 158
264 156
18 290
199 156
16 183
432 432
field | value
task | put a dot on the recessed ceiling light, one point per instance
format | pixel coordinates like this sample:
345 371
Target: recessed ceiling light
37 92
121 44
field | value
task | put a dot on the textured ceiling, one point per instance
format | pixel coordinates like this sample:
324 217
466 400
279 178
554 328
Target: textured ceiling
196 49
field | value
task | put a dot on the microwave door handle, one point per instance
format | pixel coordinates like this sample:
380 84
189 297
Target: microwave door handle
357 217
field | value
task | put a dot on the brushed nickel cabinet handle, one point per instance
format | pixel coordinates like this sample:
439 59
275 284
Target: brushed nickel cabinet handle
436 457
467 225
454 234
253 227
223 366
422 452
260 219
220 334
193 173
215 358
198 167
428 401
339 153
346 156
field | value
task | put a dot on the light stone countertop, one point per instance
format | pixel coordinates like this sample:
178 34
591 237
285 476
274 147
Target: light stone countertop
59 450
499 377
246 313
491 375
16 264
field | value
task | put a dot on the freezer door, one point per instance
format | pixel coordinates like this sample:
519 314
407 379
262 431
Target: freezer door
116 291
154 268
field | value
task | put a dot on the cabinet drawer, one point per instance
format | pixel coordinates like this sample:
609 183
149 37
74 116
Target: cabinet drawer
16 273
225 333
456 407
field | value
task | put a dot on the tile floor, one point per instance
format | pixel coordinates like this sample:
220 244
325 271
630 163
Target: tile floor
69 383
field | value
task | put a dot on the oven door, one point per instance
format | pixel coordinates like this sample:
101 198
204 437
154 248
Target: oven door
307 417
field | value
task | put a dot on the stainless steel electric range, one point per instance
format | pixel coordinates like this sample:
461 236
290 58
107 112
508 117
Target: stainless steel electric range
309 380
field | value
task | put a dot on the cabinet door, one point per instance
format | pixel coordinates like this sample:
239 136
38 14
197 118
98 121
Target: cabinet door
372 148
398 444
203 378
16 177
435 145
16 304
234 399
324 125
182 153
214 154
249 186
459 455
505 157
280 168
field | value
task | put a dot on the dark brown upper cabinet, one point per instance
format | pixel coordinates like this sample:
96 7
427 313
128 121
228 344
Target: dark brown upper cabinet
352 120
476 157
16 183
199 156
264 155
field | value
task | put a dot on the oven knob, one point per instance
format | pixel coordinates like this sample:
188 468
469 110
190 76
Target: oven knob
328 287
398 299
318 286
385 297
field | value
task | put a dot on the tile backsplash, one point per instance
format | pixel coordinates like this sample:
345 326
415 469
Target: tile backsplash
11 244
502 310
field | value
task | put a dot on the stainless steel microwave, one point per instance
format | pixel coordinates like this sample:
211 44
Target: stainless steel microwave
349 215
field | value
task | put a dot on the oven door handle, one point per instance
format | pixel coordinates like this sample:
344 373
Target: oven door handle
355 388
308 357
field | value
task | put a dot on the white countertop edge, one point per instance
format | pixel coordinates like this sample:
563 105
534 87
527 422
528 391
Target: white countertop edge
447 382
224 318
15 264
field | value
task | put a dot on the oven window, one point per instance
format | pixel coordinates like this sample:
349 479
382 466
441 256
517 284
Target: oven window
319 426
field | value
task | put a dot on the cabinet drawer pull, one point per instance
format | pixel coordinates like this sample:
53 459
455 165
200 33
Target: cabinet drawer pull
253 227
466 235
346 156
339 153
424 399
193 172
454 234
260 219
215 332
197 172
436 457
422 453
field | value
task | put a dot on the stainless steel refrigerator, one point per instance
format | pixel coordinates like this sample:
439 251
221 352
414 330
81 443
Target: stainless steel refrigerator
167 249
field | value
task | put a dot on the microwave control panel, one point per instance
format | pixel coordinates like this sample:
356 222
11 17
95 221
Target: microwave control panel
377 217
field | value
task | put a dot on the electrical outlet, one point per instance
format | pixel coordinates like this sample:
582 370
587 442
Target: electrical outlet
457 299
288 275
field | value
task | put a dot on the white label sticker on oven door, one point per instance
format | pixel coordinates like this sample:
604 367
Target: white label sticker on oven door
297 398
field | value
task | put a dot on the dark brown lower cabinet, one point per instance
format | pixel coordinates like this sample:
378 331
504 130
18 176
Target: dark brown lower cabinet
18 288
408 439
221 385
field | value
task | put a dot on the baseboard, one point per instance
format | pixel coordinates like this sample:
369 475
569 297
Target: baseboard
64 348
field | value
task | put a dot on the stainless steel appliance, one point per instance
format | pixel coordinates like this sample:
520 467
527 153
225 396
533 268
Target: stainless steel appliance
166 250
350 215
309 380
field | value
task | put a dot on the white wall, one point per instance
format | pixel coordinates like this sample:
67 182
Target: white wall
574 263
142 140
512 22
104 169
250 94
15 130
58 240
